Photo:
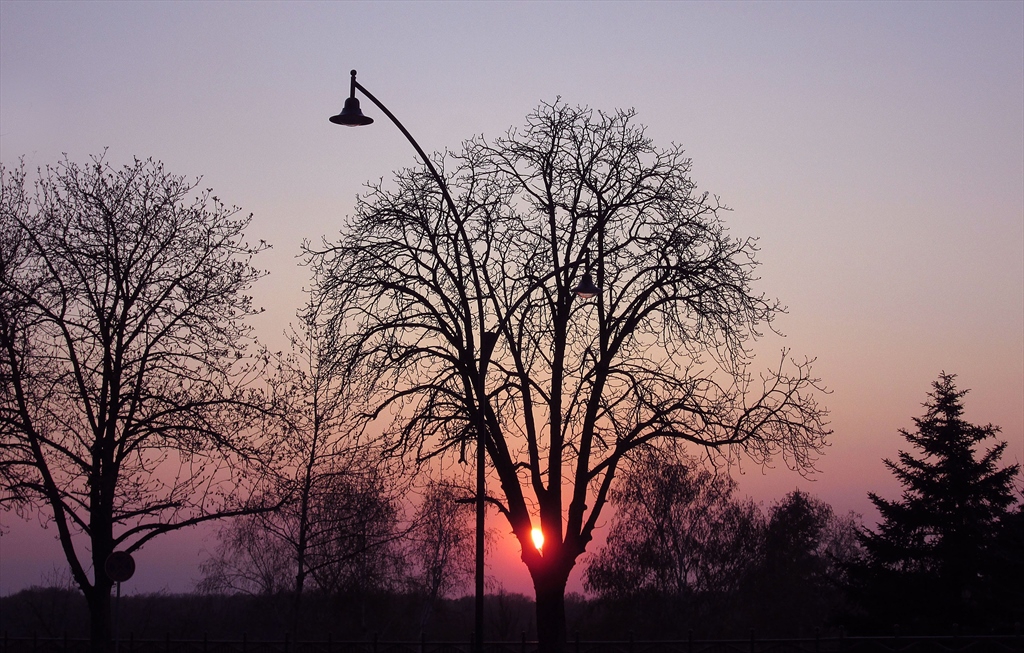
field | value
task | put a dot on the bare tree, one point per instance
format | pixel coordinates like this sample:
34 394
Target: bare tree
248 559
313 430
338 520
678 532
464 323
14 322
123 334
441 543
360 551
352 544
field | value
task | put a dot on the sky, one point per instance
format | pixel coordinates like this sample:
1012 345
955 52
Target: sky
875 148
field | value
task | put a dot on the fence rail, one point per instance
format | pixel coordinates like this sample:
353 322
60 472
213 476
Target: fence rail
753 644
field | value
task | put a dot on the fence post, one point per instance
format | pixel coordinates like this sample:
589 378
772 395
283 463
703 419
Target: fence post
522 646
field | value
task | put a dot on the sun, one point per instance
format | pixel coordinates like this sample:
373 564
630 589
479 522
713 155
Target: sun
538 538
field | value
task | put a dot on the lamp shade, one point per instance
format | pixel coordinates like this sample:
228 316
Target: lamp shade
351 115
587 289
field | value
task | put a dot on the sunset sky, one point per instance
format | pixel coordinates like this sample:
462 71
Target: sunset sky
877 150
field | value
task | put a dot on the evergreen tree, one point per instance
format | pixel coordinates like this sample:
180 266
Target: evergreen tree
927 564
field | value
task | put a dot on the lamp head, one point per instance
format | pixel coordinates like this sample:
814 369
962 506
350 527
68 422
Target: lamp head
351 115
587 288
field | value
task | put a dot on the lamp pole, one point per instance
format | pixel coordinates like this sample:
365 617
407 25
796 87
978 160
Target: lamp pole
352 116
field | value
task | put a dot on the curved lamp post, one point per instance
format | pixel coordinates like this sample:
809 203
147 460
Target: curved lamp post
352 116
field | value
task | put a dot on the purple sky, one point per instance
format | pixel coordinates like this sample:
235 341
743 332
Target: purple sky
876 148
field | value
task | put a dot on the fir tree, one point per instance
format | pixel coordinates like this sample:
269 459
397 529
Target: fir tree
928 562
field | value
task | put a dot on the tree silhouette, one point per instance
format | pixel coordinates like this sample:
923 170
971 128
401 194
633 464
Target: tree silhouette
441 544
1005 568
336 527
683 553
927 560
797 580
124 409
462 326
248 559
678 532
338 507
352 544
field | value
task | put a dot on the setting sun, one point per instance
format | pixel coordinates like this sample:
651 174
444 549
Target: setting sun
538 538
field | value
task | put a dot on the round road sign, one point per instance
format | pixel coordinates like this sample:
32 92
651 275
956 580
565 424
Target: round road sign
119 566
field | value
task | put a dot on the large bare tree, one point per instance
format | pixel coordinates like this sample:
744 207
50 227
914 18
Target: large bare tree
460 319
126 399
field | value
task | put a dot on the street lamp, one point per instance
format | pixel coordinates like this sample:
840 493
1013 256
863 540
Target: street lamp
587 288
352 116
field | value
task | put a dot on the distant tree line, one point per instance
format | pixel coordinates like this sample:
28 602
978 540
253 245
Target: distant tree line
685 554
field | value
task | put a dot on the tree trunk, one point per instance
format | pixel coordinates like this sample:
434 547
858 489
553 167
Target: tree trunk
101 630
97 595
551 632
